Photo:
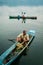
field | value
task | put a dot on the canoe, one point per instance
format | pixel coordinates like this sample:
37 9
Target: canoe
20 17
12 54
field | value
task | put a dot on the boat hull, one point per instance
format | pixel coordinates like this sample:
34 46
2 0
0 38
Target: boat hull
7 53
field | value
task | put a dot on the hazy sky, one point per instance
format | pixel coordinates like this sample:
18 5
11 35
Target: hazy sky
21 2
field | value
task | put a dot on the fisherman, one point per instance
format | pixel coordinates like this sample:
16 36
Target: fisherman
23 37
23 16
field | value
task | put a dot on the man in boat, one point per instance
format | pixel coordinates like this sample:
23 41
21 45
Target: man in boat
23 17
22 38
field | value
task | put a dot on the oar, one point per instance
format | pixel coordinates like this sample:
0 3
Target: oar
12 40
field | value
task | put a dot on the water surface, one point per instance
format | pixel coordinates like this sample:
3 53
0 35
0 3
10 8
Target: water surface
11 28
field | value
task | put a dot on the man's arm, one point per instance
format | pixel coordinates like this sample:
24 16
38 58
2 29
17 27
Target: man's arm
27 37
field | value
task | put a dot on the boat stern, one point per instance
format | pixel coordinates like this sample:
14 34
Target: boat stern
31 32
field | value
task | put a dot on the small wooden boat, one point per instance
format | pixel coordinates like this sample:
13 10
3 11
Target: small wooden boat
12 54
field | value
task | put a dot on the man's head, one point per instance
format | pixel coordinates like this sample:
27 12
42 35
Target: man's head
24 32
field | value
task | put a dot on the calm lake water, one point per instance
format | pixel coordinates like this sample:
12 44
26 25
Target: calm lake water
11 28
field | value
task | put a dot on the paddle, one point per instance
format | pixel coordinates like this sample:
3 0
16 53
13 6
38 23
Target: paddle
12 40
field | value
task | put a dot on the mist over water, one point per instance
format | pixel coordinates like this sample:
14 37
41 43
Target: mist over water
11 28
